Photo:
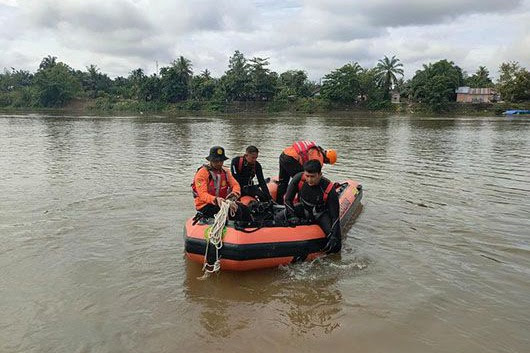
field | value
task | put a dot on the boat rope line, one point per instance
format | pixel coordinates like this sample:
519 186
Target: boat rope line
214 235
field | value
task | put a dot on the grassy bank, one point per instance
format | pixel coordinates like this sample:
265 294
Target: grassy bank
109 106
305 105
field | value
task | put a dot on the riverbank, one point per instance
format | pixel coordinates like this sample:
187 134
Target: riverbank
109 106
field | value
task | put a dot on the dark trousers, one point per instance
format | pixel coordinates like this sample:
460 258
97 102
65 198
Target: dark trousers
324 220
242 213
254 191
289 167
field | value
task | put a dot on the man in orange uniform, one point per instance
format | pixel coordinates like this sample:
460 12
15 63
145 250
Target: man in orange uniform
293 158
213 184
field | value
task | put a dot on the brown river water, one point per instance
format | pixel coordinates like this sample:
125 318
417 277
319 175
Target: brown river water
91 238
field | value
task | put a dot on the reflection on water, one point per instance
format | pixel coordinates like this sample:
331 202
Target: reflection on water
285 298
91 238
302 309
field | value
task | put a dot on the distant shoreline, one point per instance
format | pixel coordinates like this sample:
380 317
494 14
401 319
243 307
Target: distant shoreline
312 106
399 109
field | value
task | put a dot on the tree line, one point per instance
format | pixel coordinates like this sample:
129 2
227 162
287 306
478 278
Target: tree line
55 84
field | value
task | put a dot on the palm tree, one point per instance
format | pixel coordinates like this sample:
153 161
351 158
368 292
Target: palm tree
483 73
206 74
183 67
354 67
479 79
92 70
386 71
136 75
48 62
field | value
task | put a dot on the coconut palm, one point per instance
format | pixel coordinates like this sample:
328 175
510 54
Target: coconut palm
175 80
479 79
386 71
482 73
47 62
183 67
206 74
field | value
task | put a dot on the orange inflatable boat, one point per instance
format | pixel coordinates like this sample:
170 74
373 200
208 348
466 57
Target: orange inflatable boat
265 244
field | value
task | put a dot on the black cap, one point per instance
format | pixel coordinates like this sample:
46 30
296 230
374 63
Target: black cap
217 153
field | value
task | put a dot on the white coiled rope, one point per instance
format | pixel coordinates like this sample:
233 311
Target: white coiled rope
215 237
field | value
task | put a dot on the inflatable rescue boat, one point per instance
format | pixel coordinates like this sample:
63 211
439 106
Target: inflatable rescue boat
266 243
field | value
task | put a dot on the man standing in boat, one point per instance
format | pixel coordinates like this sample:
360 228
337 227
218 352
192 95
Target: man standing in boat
293 158
213 184
244 169
317 201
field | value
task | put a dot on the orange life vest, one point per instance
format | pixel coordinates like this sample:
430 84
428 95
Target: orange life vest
302 148
217 183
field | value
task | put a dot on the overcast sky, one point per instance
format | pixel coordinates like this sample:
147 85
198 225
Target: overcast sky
314 35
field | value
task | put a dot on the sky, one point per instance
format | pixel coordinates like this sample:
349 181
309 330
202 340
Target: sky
316 36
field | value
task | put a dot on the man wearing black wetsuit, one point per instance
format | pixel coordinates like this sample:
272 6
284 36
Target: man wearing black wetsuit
244 169
318 201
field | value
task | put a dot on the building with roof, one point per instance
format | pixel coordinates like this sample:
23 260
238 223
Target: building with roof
476 95
395 97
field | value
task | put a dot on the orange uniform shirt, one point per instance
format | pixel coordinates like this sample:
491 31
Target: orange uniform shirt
313 153
201 181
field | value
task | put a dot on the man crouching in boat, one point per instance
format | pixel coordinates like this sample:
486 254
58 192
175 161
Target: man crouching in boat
213 184
317 201
244 168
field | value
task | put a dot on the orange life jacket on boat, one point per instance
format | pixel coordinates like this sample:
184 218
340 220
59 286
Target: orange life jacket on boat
302 149
217 183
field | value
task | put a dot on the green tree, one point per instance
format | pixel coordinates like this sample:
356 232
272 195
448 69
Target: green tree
206 74
15 88
203 86
514 82
371 94
508 71
521 87
94 82
150 89
56 85
386 71
175 80
400 85
236 82
47 62
262 80
183 67
343 85
436 84
15 79
295 83
120 87
479 79
135 81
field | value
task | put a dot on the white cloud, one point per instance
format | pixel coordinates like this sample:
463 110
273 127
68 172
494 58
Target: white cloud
420 12
9 2
314 35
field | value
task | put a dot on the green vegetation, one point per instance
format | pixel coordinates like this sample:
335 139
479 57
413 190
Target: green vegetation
514 82
436 84
249 84
386 71
479 79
